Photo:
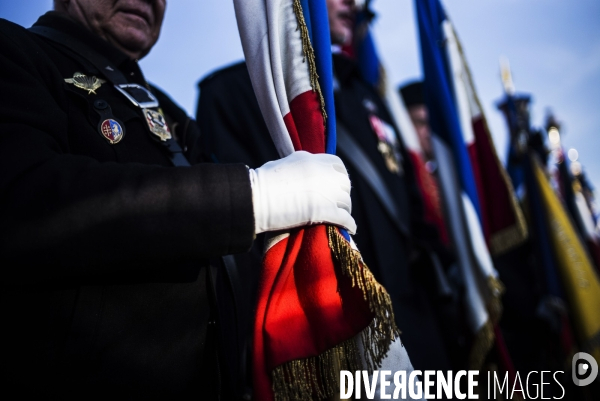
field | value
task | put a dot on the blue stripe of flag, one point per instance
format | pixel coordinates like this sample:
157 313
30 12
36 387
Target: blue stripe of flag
443 111
316 13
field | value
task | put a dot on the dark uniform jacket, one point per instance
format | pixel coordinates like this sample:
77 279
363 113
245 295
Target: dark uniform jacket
103 247
234 130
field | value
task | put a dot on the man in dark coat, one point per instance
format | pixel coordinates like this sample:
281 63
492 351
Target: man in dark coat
234 130
105 228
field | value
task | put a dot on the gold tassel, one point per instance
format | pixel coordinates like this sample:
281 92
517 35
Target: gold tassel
309 55
510 237
378 336
484 339
317 378
494 305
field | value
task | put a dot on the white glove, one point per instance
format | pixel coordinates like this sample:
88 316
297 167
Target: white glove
301 189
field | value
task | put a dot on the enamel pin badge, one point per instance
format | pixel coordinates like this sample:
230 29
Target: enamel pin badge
157 124
111 130
84 82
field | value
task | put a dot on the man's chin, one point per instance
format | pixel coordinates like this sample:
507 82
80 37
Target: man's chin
132 41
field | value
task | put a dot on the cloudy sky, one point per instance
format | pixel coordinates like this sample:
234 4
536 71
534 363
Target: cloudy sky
553 47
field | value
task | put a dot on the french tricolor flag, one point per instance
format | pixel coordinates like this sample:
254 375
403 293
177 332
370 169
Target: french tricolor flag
456 119
284 71
319 308
501 217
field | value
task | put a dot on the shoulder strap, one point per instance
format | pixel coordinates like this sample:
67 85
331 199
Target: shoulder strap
364 166
112 73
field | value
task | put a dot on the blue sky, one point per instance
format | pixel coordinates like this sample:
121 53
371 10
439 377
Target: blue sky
553 47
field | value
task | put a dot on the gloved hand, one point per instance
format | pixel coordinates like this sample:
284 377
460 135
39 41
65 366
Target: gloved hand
301 189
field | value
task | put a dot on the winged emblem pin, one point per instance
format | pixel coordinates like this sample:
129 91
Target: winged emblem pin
84 82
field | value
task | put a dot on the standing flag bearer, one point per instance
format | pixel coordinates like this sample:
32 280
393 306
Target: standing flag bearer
567 268
579 278
373 72
571 183
534 304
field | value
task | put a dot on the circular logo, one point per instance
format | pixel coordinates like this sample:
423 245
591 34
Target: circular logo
584 369
111 130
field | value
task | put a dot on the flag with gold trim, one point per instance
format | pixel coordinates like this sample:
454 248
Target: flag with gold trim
318 303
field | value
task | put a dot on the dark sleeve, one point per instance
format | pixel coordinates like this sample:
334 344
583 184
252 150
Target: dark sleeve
232 126
70 215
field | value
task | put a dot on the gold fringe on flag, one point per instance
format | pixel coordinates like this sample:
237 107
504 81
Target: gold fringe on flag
494 305
317 377
484 338
377 340
309 55
483 342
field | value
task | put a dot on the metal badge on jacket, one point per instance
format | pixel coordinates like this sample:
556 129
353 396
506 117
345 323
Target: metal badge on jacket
109 127
84 82
387 144
111 130
157 124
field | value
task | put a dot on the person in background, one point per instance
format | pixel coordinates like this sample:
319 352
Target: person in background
414 99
